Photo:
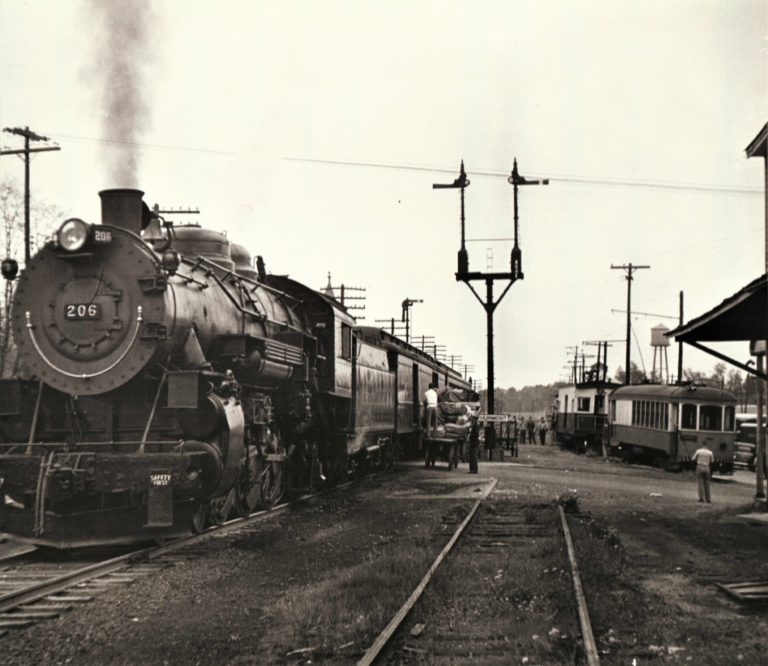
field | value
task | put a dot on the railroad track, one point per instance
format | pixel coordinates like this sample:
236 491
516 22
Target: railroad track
33 588
482 534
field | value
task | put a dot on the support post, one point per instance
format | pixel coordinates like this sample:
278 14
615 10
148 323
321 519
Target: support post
760 440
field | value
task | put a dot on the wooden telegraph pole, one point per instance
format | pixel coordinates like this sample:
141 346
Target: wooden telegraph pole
630 270
28 135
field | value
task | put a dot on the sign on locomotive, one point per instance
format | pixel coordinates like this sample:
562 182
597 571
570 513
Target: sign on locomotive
164 384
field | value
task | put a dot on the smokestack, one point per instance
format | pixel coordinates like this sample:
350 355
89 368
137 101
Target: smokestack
122 208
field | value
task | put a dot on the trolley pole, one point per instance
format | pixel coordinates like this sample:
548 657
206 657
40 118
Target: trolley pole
630 269
28 135
465 275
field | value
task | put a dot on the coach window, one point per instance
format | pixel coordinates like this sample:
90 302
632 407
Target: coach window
583 405
729 419
688 417
711 417
346 341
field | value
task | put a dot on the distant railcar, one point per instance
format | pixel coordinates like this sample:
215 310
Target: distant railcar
582 415
665 425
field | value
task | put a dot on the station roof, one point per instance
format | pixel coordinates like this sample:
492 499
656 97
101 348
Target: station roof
742 316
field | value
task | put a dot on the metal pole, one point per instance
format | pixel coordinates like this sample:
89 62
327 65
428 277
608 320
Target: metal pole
489 320
680 346
627 372
27 230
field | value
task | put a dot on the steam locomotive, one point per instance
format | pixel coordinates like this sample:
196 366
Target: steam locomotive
164 384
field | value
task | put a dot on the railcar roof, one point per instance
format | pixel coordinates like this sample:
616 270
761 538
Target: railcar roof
674 393
306 294
389 341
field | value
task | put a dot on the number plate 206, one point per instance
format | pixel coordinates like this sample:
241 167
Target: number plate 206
80 311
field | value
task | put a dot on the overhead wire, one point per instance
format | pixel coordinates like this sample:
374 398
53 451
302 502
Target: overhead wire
581 180
140 144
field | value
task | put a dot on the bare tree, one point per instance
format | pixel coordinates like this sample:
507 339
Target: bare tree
44 217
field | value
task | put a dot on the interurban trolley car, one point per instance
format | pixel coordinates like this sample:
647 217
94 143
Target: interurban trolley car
652 423
666 424
162 384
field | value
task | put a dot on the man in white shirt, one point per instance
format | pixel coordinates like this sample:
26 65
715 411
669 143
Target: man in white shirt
430 398
703 458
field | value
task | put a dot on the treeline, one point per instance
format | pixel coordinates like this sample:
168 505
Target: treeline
540 399
536 400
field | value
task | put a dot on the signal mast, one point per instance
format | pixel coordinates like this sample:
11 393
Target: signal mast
465 275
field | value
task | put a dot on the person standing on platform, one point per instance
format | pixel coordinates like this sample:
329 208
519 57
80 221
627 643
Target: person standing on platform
542 431
703 458
474 444
430 399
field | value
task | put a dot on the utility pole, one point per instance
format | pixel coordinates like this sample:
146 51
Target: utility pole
453 360
28 135
393 328
465 275
630 269
344 297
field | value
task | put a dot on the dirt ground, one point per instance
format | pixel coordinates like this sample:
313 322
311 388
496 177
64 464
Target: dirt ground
317 584
650 556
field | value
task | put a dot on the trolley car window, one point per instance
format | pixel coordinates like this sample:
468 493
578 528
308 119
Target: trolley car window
583 404
711 417
688 418
729 418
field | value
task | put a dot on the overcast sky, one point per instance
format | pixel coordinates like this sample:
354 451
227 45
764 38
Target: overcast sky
665 92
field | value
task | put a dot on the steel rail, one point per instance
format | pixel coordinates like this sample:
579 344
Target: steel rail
47 588
590 647
383 638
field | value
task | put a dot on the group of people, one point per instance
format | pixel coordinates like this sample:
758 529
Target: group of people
526 431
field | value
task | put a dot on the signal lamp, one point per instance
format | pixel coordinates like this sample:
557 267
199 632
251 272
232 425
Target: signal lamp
170 261
10 268
73 234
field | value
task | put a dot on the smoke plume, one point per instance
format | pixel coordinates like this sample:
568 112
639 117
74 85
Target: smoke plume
121 56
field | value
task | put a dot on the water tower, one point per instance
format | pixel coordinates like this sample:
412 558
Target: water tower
660 343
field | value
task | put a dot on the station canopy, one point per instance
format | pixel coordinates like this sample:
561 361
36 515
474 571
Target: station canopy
741 317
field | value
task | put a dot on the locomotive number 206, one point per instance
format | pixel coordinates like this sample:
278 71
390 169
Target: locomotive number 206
81 311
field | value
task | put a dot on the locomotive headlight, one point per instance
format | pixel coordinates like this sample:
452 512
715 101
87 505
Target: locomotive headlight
171 260
73 234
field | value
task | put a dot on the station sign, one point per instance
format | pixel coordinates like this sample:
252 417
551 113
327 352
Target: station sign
493 418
